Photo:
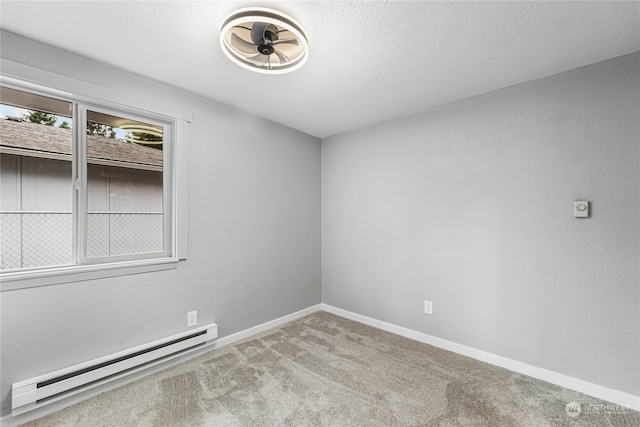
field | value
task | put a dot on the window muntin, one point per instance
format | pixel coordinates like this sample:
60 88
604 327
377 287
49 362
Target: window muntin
118 185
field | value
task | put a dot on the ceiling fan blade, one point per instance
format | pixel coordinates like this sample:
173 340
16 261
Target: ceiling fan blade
284 59
243 27
242 45
260 59
287 41
257 32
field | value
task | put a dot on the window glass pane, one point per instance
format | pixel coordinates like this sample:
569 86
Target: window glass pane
124 186
35 176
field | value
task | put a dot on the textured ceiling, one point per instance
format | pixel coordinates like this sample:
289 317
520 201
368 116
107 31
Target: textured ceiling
369 61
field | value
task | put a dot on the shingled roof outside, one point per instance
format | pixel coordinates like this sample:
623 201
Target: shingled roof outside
35 140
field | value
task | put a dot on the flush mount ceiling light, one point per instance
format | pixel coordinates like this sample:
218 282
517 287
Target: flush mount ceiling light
264 40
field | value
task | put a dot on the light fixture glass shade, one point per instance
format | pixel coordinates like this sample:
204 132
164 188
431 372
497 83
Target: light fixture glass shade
264 40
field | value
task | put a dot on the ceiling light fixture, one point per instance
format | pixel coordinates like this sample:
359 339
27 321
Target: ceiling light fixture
264 40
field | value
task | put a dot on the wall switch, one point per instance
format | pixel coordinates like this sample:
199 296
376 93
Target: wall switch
428 307
192 318
581 209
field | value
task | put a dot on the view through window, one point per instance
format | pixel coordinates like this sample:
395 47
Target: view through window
124 181
119 206
36 201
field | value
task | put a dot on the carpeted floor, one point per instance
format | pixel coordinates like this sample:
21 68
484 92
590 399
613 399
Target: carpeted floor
324 370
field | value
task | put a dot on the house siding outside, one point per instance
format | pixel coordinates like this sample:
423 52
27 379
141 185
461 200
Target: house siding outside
36 221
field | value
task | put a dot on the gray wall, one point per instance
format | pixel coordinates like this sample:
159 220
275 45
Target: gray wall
253 237
471 206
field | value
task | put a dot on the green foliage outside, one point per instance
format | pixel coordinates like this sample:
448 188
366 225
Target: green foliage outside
39 117
42 118
93 128
100 129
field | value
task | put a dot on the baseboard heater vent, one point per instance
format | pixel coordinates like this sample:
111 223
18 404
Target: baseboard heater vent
39 391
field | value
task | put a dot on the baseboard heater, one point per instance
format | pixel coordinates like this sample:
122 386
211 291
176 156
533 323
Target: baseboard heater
36 392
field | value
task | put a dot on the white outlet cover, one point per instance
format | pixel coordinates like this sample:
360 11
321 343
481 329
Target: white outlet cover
428 307
192 318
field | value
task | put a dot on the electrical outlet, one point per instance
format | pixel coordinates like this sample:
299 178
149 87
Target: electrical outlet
428 307
581 209
192 318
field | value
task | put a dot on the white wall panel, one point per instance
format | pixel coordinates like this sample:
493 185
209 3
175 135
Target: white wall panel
46 185
9 183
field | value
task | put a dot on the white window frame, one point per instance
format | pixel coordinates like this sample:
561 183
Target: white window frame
80 224
88 96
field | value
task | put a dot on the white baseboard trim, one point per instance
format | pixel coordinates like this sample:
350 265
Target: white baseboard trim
598 391
14 421
248 333
604 393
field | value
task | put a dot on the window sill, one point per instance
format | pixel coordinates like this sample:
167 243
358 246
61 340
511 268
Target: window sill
12 281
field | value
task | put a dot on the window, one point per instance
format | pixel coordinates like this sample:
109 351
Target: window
84 186
124 187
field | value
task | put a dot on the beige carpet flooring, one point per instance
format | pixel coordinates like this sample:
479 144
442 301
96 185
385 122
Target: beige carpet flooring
324 370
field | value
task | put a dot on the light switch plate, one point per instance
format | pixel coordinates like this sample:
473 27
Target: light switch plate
581 209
